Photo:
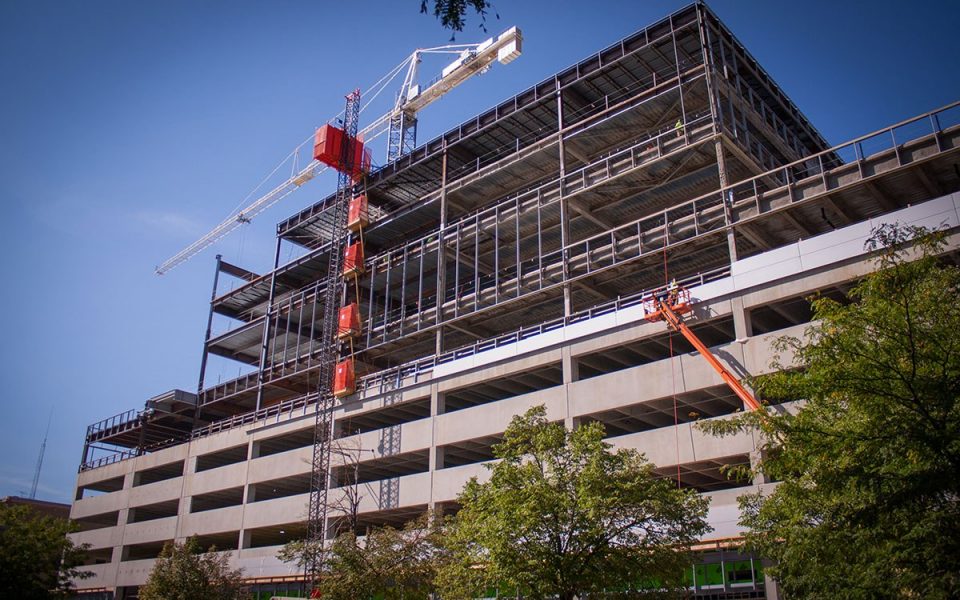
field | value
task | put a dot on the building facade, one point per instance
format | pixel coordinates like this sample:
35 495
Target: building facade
506 266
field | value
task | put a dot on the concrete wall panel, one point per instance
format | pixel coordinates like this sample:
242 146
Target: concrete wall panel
161 491
150 531
283 464
211 521
493 418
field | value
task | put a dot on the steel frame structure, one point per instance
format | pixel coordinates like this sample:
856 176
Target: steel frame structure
556 204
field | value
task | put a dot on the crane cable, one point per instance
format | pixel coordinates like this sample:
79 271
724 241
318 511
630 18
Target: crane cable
673 373
379 86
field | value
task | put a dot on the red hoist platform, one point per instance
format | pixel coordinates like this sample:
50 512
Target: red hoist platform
327 145
669 305
358 214
344 379
348 324
353 260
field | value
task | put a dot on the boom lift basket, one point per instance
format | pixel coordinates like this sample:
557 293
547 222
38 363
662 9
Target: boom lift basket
677 298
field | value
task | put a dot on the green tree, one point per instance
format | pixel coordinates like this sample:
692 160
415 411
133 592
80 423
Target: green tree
387 563
452 13
869 466
563 515
185 572
37 559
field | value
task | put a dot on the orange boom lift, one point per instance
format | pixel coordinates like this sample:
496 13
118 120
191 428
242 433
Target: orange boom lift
670 304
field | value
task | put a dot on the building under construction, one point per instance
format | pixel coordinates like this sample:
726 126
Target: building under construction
503 265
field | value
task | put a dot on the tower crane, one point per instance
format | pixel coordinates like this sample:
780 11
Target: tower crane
400 123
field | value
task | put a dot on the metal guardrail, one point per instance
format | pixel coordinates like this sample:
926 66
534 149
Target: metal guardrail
109 459
125 419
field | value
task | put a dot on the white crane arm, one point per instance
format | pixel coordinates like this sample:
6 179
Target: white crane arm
244 216
473 59
505 48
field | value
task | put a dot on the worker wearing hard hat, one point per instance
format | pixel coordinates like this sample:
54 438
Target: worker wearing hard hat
672 291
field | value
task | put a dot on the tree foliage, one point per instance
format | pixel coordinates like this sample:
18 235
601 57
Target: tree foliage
387 563
563 515
37 559
869 466
452 13
184 572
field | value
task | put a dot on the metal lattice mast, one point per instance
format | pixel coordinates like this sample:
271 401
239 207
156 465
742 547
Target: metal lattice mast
403 135
323 428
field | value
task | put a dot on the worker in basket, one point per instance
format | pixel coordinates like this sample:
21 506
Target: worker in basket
667 294
673 292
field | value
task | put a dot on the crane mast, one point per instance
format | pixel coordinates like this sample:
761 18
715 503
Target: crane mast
349 173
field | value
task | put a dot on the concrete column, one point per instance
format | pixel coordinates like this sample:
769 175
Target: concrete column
436 454
570 374
571 368
742 326
436 459
770 587
755 458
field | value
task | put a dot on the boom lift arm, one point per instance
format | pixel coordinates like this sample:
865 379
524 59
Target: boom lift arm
669 305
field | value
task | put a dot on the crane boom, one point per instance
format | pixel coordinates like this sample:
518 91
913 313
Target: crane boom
244 216
505 47
472 59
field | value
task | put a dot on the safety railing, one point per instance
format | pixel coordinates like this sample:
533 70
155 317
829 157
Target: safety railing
124 420
419 367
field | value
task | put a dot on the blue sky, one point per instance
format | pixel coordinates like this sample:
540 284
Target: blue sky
128 129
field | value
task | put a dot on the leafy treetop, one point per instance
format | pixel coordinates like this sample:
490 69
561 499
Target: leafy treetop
563 515
452 13
37 558
185 572
870 465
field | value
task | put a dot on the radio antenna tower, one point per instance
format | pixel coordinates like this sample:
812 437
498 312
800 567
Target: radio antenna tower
43 448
